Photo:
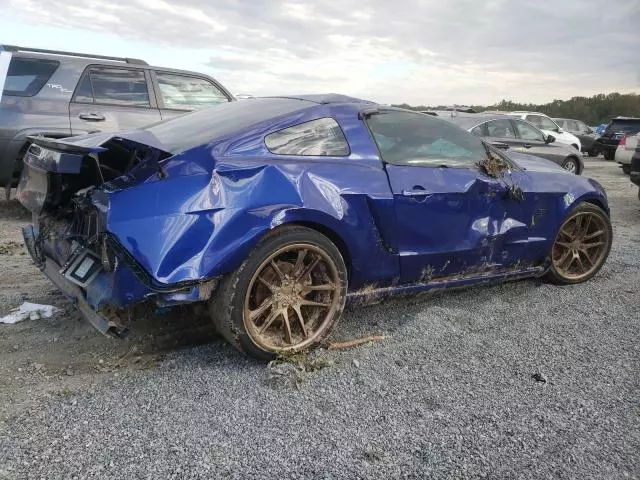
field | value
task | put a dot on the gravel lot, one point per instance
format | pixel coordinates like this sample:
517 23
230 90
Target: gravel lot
449 393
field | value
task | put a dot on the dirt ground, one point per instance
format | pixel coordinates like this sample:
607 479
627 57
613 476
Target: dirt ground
62 354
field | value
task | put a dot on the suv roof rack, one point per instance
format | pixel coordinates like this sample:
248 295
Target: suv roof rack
13 48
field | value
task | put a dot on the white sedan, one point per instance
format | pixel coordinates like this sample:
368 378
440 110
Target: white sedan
549 127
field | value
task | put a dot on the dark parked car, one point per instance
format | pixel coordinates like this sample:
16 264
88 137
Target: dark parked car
275 210
58 94
616 129
634 168
512 134
580 129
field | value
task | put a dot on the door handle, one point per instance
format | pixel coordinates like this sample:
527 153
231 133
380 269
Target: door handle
92 117
414 193
527 145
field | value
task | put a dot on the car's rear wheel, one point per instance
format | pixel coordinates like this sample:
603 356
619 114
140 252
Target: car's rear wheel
581 245
626 169
570 164
592 153
286 296
609 155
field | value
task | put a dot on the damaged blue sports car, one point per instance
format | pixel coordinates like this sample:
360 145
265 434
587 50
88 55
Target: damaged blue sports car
275 211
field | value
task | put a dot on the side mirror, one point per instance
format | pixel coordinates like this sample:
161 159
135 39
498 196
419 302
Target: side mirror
549 139
559 130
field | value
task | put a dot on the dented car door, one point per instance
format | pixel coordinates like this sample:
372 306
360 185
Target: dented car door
452 218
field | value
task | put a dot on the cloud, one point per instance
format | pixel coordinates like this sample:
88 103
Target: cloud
425 52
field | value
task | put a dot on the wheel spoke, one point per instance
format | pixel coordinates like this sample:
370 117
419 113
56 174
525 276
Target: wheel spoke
266 284
287 325
585 227
325 287
592 245
255 314
276 269
301 320
576 256
593 235
578 226
309 268
567 265
563 258
563 244
566 234
299 261
311 303
586 255
267 323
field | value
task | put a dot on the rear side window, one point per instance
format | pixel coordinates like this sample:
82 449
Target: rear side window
501 129
27 76
188 93
113 86
321 137
627 126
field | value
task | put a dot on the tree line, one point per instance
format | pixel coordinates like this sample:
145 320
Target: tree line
591 110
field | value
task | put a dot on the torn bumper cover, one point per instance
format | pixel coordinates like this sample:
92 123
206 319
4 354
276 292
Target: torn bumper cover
98 286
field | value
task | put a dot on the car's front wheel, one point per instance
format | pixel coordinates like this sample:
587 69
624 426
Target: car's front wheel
570 164
286 296
581 245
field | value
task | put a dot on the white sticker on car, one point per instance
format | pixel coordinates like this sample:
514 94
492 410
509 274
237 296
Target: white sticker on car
5 59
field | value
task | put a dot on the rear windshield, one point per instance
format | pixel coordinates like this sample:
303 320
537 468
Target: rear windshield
197 128
27 76
628 126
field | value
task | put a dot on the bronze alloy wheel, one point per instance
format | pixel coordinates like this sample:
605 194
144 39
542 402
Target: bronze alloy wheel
292 298
582 245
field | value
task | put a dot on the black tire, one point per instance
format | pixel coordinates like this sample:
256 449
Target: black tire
572 165
626 169
554 274
227 305
592 153
609 155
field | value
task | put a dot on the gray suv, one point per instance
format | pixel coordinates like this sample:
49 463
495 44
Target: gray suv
60 94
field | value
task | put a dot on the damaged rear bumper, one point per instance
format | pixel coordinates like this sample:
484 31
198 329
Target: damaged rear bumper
70 290
97 292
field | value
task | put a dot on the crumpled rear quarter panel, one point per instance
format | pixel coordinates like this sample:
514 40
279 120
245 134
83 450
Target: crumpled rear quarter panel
197 224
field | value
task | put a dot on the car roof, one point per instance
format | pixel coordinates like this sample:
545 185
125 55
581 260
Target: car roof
325 98
82 60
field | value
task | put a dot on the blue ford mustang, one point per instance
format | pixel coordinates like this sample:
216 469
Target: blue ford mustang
275 210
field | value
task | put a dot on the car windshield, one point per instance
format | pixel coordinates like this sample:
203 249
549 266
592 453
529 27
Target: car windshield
193 129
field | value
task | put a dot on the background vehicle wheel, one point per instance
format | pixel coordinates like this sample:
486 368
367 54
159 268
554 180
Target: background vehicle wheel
570 164
609 155
581 245
592 153
286 296
626 169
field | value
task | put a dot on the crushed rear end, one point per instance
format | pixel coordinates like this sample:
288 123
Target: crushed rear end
70 186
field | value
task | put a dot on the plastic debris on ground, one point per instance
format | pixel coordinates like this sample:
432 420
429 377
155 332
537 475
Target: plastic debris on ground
32 311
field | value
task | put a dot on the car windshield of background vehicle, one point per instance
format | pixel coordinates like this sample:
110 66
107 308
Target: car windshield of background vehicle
27 76
406 138
182 92
527 132
547 124
501 129
321 137
113 86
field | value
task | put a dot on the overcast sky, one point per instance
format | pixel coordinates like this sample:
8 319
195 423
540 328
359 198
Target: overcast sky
391 51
